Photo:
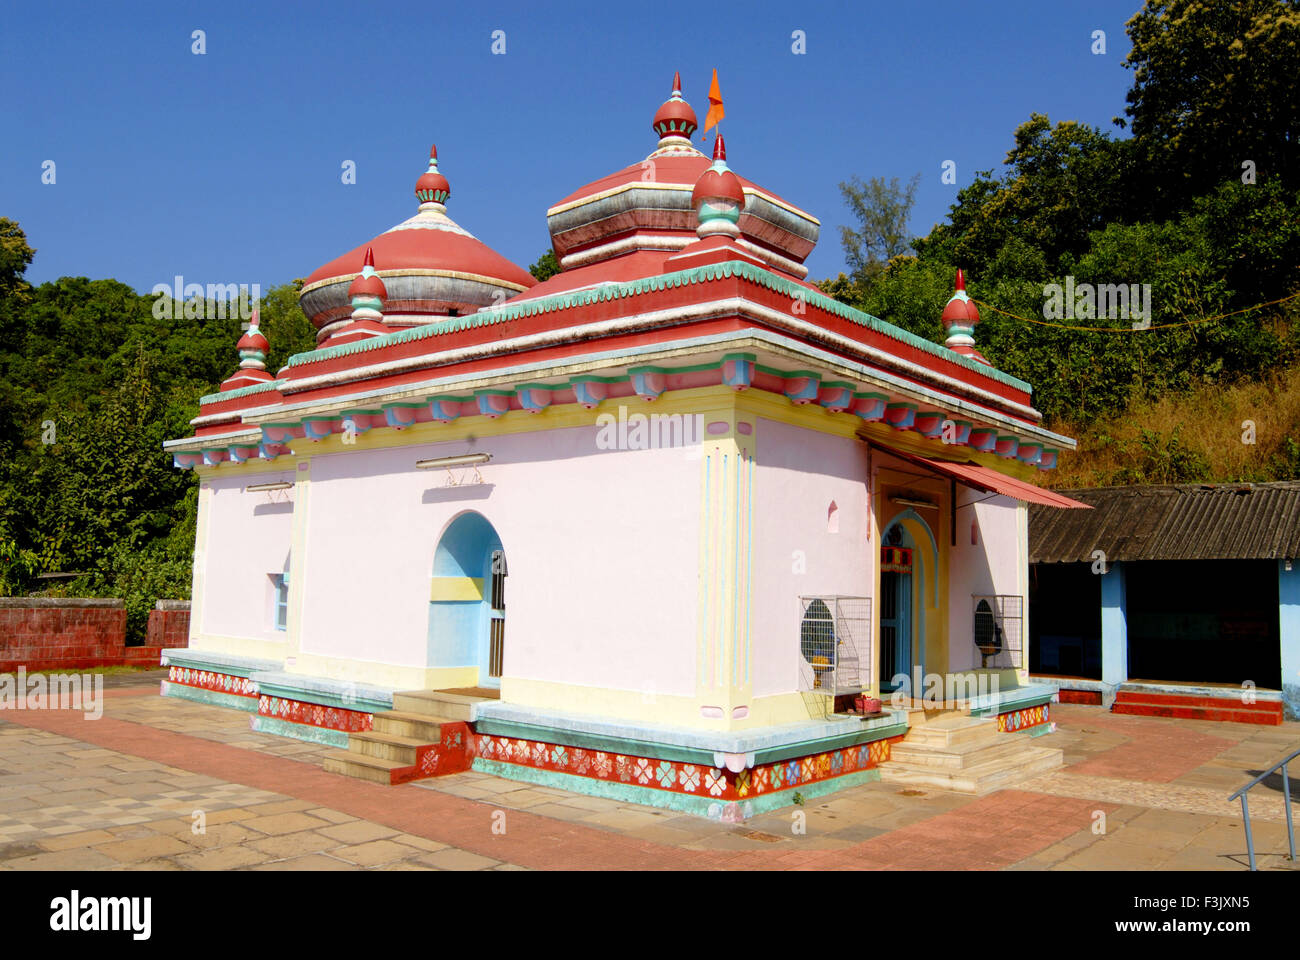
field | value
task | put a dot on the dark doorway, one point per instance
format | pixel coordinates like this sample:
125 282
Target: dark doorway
1204 621
1064 620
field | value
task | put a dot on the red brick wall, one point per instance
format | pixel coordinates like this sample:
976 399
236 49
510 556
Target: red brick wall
46 633
168 628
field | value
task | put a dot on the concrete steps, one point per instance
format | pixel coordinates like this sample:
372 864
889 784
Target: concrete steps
966 754
361 767
437 703
426 734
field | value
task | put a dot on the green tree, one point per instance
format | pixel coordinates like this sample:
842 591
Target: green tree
545 267
1214 86
882 209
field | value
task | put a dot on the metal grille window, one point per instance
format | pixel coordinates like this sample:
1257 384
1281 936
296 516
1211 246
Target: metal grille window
834 648
999 631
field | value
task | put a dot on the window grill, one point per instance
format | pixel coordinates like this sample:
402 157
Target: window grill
999 631
834 649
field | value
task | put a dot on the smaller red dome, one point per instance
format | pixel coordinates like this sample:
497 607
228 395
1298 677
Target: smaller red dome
367 283
253 338
718 182
960 309
432 187
675 118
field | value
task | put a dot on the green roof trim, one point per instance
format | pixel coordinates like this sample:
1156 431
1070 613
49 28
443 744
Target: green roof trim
665 281
243 391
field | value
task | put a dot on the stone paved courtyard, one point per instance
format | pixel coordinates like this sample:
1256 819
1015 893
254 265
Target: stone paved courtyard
128 791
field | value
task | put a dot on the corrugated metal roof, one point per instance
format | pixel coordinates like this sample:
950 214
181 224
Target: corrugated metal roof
1222 521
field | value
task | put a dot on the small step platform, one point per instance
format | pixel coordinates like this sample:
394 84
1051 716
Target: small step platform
426 734
964 754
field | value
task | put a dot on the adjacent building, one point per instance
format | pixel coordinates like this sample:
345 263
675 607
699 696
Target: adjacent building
1178 600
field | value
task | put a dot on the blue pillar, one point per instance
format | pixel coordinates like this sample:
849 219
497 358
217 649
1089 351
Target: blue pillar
1288 614
1114 625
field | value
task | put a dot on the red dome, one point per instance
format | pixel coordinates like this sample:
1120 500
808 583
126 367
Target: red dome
675 118
432 268
960 309
718 183
253 340
432 187
368 286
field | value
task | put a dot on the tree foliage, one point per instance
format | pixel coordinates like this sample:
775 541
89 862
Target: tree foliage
91 384
1166 208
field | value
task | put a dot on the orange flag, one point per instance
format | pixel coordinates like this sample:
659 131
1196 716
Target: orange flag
715 104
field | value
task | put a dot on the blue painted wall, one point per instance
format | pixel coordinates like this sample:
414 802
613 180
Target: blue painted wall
1114 625
458 629
1288 598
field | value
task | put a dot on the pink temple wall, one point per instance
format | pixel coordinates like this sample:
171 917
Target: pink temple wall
800 473
248 539
988 567
601 547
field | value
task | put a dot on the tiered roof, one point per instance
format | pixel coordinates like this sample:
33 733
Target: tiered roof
689 277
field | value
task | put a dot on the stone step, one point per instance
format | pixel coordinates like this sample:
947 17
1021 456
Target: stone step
386 746
952 730
981 778
436 703
374 769
958 756
418 726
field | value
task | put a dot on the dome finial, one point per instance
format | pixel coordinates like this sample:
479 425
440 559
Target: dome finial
432 188
959 319
367 291
719 196
252 346
675 120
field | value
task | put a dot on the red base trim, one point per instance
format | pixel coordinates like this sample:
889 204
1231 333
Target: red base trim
1089 698
1177 706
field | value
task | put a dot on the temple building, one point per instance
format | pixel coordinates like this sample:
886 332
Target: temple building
659 528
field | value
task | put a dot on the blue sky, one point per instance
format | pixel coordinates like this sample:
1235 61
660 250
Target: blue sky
226 167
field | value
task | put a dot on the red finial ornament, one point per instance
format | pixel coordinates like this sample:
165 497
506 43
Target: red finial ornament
433 152
961 281
677 84
370 258
719 149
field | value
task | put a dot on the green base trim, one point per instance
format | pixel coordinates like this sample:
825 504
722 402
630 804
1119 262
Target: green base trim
210 697
299 731
710 807
1040 729
1010 706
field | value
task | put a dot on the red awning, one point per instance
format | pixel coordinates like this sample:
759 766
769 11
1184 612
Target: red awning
990 481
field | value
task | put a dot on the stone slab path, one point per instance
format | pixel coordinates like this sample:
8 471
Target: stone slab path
165 784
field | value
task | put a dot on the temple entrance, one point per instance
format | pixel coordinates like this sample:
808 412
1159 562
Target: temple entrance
895 609
467 605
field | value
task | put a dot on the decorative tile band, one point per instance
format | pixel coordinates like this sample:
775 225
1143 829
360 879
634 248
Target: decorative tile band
1024 719
693 779
315 714
452 754
216 682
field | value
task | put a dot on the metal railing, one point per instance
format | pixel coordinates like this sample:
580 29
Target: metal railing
1286 791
